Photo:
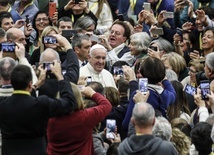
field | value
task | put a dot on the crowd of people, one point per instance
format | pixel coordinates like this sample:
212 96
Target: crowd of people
107 77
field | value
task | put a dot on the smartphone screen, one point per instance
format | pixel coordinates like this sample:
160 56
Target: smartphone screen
111 128
189 89
69 33
143 85
49 40
47 66
205 89
89 79
118 70
8 50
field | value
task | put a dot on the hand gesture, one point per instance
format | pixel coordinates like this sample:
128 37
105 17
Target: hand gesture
87 91
194 55
201 16
129 73
198 99
42 75
211 100
149 18
19 23
154 54
138 28
140 97
190 9
82 80
54 19
56 70
161 18
104 42
187 26
69 5
28 29
62 41
20 50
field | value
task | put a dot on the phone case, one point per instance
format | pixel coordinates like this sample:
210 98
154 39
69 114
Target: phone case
147 6
158 31
168 15
52 9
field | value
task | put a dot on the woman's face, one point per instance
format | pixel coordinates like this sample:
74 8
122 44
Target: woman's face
192 74
208 40
41 21
53 46
133 49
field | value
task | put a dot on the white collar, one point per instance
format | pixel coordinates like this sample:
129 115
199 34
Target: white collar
119 48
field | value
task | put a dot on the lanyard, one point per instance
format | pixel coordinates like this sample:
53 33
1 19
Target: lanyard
157 7
72 17
21 92
200 4
133 3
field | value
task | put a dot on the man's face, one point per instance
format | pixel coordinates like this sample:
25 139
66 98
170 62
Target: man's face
116 37
65 25
97 59
7 23
20 38
83 51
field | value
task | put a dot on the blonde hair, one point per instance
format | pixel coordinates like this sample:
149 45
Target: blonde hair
78 96
180 141
45 32
175 60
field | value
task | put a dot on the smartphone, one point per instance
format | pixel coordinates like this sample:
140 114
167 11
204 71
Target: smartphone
89 79
52 8
69 33
95 38
111 128
154 48
205 89
49 40
143 85
147 6
8 50
47 65
118 70
120 17
157 31
27 20
189 89
168 14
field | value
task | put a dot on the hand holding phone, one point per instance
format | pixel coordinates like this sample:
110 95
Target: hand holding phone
8 49
147 6
168 14
190 89
95 38
118 70
111 128
205 89
52 8
157 31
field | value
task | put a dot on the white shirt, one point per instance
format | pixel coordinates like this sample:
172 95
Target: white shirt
104 77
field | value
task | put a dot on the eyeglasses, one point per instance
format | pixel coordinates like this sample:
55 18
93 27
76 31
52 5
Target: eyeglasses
194 72
43 19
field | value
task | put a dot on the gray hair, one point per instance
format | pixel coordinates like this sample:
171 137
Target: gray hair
162 128
163 44
77 39
143 114
7 65
84 23
171 75
210 61
141 40
2 33
46 53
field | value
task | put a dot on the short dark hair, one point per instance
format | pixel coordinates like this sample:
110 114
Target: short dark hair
201 138
127 31
7 65
96 86
4 14
2 33
65 19
77 39
153 69
20 77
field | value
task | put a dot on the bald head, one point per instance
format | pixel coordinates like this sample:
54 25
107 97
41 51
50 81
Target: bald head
16 35
49 55
143 115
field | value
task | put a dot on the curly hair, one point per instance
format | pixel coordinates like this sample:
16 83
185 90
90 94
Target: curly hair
180 141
